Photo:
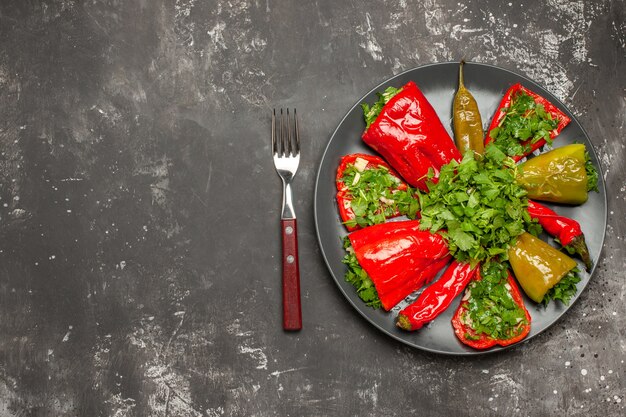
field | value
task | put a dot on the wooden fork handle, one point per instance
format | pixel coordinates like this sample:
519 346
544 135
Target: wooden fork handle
292 313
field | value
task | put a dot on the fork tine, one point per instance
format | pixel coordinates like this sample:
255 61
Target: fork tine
274 150
289 146
296 132
282 134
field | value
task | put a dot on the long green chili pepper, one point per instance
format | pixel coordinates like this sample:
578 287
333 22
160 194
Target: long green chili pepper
468 126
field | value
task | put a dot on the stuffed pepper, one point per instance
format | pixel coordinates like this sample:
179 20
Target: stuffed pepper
562 175
369 192
543 272
524 122
408 133
492 311
387 262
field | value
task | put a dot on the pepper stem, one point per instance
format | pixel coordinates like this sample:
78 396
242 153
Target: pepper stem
403 322
579 246
461 85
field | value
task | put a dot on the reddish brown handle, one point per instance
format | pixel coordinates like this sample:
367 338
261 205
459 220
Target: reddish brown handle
292 314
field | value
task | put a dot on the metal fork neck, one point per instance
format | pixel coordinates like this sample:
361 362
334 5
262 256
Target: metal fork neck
288 211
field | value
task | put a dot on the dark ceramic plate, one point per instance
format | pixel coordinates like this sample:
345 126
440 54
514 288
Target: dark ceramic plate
439 82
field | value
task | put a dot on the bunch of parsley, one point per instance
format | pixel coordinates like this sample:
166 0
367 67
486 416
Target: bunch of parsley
524 119
477 206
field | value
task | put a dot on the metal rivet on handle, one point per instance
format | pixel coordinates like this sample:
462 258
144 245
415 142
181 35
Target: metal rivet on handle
290 259
288 230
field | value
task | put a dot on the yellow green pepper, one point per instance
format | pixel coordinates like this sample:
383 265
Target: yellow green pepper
558 176
468 126
538 266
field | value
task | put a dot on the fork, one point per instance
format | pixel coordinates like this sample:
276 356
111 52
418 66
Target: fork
286 154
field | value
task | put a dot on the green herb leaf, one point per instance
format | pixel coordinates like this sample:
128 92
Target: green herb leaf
359 279
370 113
565 289
592 174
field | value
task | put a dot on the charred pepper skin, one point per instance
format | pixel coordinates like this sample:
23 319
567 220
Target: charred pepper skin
537 265
567 230
468 126
343 196
557 176
399 258
437 297
483 341
410 137
549 107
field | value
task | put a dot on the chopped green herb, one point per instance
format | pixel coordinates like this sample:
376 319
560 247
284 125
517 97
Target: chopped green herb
477 206
371 113
565 289
592 174
375 196
524 120
359 278
471 336
491 308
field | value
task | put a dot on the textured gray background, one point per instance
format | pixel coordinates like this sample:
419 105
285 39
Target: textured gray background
139 245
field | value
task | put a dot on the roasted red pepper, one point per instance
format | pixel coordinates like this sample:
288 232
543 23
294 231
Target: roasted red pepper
509 96
344 197
466 333
399 258
566 230
436 297
422 278
410 136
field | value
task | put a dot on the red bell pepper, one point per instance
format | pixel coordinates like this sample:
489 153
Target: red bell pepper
566 230
437 297
468 336
343 195
398 257
549 107
410 136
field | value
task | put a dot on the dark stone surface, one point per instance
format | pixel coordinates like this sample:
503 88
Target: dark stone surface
139 211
